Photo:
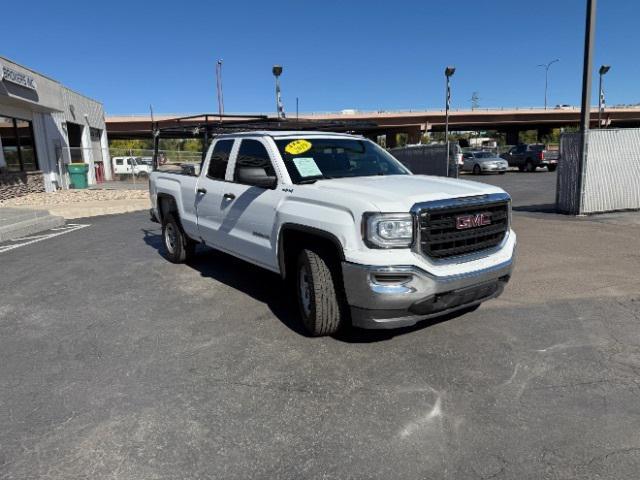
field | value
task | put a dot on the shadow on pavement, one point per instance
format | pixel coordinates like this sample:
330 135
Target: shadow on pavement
542 208
260 284
268 288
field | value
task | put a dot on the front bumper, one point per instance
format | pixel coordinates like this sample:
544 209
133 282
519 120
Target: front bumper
494 168
400 296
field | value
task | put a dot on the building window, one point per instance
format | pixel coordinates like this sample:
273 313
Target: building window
18 145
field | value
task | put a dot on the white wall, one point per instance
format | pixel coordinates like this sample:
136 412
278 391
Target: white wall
612 170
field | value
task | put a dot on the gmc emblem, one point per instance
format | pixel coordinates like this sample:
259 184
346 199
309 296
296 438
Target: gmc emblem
473 221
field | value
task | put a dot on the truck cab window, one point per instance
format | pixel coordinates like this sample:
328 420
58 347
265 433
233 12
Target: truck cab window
253 154
220 159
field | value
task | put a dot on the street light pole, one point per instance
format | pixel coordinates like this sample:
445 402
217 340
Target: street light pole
277 71
603 70
546 67
219 89
590 28
448 73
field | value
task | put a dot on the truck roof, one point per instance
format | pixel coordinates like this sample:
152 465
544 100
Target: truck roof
288 133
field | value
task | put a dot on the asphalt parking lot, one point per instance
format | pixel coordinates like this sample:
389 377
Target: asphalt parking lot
115 363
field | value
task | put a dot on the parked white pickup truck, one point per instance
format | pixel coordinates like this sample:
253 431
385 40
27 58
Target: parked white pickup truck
138 166
361 238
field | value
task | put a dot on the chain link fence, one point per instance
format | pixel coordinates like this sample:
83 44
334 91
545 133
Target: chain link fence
131 164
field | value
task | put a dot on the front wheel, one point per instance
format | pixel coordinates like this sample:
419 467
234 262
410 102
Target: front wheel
178 247
321 308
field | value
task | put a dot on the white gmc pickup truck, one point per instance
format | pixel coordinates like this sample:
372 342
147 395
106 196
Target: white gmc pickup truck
360 238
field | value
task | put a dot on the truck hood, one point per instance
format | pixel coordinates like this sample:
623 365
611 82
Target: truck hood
398 193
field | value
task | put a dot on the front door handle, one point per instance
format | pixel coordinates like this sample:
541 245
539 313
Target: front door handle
229 196
201 190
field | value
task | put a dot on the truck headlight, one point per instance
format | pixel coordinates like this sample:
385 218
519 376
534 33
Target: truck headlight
388 230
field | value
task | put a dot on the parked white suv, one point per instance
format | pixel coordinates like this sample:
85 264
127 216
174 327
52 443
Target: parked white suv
361 238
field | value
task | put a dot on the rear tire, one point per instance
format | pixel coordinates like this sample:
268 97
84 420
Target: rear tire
502 173
178 248
477 170
317 287
552 168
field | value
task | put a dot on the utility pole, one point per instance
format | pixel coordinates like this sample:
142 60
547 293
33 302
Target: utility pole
601 102
219 89
590 27
448 73
277 71
546 67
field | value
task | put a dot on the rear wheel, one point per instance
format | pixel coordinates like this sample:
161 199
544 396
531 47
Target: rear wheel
476 170
502 173
177 246
552 168
321 307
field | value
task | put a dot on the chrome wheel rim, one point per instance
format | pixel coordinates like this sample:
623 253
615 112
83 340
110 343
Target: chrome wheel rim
170 237
304 290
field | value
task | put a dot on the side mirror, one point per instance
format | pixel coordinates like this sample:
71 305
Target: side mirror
257 177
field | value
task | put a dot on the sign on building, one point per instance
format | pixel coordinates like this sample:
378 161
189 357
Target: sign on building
19 78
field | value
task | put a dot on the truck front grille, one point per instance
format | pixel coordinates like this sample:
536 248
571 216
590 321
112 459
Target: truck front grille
468 227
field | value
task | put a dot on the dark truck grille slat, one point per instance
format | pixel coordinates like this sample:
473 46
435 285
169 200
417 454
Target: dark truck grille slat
440 238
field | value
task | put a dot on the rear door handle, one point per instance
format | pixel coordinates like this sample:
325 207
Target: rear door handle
202 190
229 196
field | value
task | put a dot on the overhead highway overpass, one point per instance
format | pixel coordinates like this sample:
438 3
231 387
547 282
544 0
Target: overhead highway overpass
414 123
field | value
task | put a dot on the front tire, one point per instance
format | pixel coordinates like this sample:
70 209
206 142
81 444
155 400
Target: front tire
320 306
178 248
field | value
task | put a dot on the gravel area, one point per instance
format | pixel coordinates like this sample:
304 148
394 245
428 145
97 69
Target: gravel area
64 197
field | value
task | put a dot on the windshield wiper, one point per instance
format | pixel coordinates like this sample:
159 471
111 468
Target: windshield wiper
314 179
308 180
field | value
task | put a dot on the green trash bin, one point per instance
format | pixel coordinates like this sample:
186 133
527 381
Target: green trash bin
78 174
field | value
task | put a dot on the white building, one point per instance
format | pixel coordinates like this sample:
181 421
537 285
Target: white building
43 127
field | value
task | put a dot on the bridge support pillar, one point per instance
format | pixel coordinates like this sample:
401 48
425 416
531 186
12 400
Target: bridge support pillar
543 132
391 140
415 135
512 136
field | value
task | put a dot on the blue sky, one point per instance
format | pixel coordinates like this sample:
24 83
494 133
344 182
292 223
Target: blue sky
336 54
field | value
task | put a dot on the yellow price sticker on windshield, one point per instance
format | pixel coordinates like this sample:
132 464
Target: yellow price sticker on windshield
297 147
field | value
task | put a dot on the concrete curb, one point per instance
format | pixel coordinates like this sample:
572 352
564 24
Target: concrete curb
96 208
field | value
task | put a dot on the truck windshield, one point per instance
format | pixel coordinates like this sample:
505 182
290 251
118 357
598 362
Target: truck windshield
311 159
